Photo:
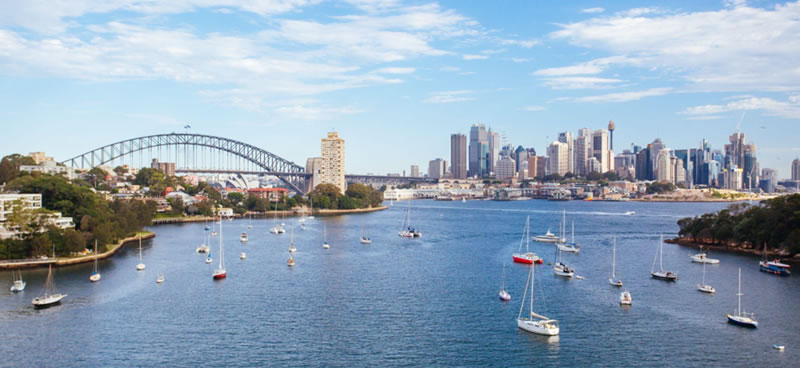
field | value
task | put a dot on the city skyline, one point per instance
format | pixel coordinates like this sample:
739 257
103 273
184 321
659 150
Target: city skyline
270 77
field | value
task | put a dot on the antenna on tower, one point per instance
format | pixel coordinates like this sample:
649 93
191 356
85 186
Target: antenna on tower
739 124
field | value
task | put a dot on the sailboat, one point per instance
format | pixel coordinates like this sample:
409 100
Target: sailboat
560 269
49 296
365 239
220 272
290 262
205 226
528 257
503 294
325 237
291 241
19 284
275 228
250 222
703 287
613 279
140 266
311 208
203 248
702 257
774 267
208 259
160 279
96 274
243 256
243 238
409 231
740 317
535 323
661 274
564 246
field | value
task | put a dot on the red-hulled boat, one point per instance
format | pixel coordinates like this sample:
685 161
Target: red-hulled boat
528 257
220 272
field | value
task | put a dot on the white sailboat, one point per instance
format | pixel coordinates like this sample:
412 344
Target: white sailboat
561 269
535 323
209 259
203 248
250 222
325 237
220 272
528 257
49 295
160 279
290 262
740 317
140 266
311 208
661 274
243 256
365 239
275 228
568 247
292 249
408 231
95 277
19 284
503 294
243 238
702 257
613 279
702 286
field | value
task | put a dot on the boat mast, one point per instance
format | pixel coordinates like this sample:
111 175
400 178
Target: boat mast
533 268
614 261
573 231
95 256
221 252
739 294
661 254
140 248
527 234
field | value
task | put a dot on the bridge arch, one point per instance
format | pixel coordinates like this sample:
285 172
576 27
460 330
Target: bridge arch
291 174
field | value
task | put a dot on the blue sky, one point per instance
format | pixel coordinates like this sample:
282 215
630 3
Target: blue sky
396 78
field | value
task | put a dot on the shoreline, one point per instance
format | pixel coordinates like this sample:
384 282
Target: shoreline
267 215
59 262
724 248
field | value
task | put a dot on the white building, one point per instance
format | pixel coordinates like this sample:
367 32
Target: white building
437 168
332 171
601 150
557 154
566 137
48 167
506 168
414 171
582 149
664 170
29 202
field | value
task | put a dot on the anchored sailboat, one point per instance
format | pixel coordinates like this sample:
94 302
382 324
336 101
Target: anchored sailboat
503 294
140 266
613 279
19 284
49 295
740 317
325 237
291 241
220 272
365 239
661 274
535 323
703 287
96 274
409 231
528 257
560 269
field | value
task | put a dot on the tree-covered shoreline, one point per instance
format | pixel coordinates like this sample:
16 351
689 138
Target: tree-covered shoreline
774 222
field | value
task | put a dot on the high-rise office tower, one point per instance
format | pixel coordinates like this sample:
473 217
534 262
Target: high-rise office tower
414 171
333 161
558 158
437 168
566 137
664 168
494 149
478 150
796 169
582 149
601 150
458 155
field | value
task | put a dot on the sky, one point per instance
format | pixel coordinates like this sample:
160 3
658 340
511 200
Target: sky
396 78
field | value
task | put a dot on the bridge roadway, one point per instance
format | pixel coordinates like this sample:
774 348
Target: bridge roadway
365 179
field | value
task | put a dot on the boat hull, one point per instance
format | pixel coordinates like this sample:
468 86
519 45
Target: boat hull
537 327
706 289
526 258
779 271
738 321
52 300
665 276
220 275
94 278
613 282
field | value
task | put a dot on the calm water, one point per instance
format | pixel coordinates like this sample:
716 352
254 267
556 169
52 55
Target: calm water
429 302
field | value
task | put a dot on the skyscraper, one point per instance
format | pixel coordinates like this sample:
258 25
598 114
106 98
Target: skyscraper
332 171
478 150
505 168
494 150
458 155
796 169
414 171
566 137
664 170
601 151
557 158
436 168
582 149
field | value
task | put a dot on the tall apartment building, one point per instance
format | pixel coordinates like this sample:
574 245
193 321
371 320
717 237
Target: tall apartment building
582 151
566 137
458 155
414 171
332 171
167 168
601 150
437 168
557 158
494 150
796 169
478 151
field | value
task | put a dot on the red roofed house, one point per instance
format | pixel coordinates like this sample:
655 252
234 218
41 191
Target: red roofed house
271 194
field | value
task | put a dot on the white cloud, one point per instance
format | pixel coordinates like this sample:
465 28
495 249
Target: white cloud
595 66
396 70
738 48
533 108
450 97
624 96
307 112
581 82
521 43
474 57
520 60
787 109
593 10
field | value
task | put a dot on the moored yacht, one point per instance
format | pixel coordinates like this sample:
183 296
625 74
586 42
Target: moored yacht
49 296
19 284
702 257
740 317
535 323
528 257
661 274
774 267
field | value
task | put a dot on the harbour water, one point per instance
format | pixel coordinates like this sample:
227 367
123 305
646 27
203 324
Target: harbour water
421 302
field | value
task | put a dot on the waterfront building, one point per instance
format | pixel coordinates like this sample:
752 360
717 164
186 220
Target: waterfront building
601 151
557 158
506 168
582 149
167 168
478 151
458 155
796 169
436 168
566 137
332 171
414 171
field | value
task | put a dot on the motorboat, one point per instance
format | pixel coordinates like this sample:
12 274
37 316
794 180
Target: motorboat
630 213
774 267
625 298
290 262
208 259
702 257
548 238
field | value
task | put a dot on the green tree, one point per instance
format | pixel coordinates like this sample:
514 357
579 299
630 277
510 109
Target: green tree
9 166
236 198
41 245
143 176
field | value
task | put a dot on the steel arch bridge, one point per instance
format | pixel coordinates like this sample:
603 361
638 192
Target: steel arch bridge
185 147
